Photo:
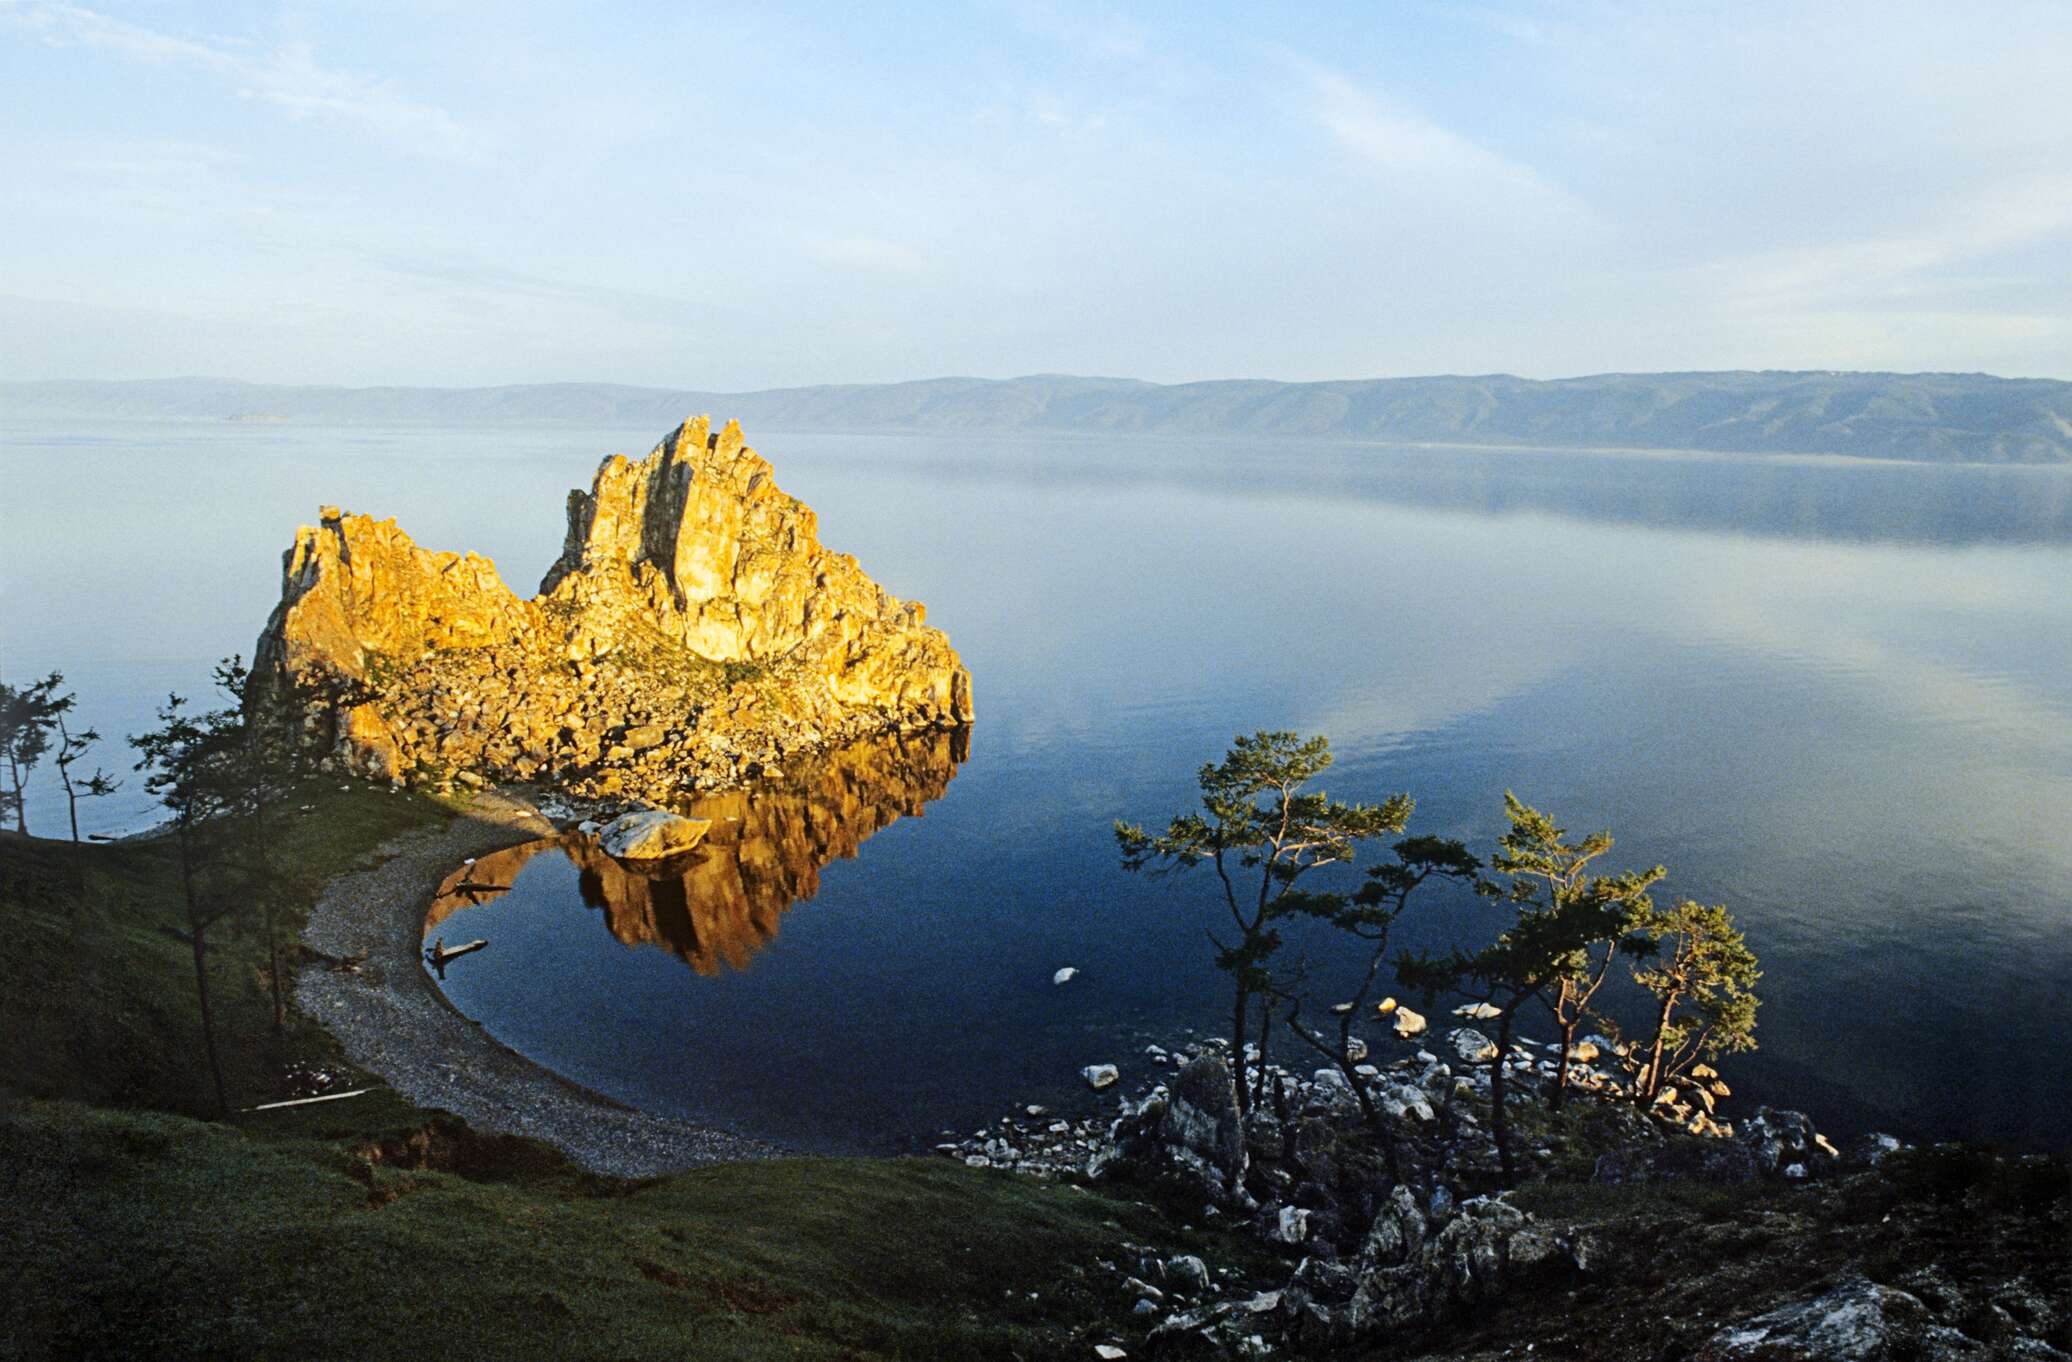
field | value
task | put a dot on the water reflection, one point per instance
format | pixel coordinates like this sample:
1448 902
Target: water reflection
1786 497
722 903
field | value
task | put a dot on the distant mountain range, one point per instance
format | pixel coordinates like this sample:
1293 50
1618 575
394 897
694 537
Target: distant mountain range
1945 418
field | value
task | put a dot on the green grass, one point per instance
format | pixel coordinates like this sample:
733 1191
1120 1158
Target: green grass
1593 1202
159 1235
97 990
370 1229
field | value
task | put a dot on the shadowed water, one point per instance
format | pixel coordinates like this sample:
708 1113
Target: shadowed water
1836 697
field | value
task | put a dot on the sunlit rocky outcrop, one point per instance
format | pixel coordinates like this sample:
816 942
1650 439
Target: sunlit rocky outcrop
693 634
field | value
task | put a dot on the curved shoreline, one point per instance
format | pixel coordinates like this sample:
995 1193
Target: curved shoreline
392 1020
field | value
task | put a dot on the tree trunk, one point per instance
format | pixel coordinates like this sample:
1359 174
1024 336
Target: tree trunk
1499 1121
1265 1026
1652 1078
197 931
21 804
1568 1043
208 1023
1237 1053
273 971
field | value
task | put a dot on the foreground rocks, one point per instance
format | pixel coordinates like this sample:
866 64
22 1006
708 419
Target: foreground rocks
693 635
1701 1237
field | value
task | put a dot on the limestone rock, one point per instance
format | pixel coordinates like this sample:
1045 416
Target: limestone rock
1201 1120
652 835
693 636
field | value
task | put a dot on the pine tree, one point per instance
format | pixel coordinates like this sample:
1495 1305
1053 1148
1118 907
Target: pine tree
1257 820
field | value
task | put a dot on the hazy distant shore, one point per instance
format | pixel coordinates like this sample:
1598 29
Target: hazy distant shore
1928 418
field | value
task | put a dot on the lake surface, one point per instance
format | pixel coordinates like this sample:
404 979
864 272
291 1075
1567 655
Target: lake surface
1835 696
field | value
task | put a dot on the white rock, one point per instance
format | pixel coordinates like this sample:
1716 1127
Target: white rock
1409 1023
1478 1012
1355 1049
1291 1226
1099 1076
1414 1102
1473 1046
1108 1352
651 835
1064 976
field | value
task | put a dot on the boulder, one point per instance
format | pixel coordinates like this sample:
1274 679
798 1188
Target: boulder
1099 1076
1780 1141
652 835
1409 1024
1857 1321
1201 1122
1473 1046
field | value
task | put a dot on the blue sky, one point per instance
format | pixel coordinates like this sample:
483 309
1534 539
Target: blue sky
737 197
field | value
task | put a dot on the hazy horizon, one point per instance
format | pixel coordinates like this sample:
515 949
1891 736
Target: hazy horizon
972 377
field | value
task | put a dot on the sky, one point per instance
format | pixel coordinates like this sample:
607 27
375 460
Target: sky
738 197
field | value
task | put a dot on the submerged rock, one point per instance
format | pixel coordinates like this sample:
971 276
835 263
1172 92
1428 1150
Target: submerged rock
652 835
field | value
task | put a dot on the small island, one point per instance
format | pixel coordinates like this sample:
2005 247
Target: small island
694 634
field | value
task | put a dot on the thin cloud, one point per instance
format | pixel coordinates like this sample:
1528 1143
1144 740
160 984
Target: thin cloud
2005 217
288 77
1407 147
858 250
492 282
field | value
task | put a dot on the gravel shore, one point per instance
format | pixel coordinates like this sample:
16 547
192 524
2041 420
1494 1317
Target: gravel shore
392 1021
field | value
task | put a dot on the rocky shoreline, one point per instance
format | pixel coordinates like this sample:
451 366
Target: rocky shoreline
1393 1233
1396 1233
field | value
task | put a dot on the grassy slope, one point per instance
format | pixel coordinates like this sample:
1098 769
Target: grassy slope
130 1226
150 1233
99 988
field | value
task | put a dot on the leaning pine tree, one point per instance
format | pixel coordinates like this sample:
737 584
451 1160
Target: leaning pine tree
1262 832
1550 951
1702 976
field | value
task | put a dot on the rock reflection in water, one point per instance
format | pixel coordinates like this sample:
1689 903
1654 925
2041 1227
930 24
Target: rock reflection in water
723 902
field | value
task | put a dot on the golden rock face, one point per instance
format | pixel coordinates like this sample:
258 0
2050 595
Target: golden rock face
720 904
693 634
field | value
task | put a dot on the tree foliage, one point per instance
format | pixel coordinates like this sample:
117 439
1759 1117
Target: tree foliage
28 714
1557 948
1702 975
1262 831
1578 921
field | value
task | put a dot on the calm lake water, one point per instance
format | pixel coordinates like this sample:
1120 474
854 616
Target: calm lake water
1836 697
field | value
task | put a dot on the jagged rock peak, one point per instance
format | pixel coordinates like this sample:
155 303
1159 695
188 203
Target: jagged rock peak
693 630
